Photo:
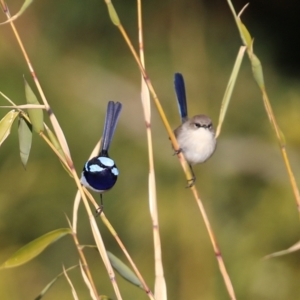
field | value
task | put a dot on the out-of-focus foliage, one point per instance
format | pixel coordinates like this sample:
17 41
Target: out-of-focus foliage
82 62
34 248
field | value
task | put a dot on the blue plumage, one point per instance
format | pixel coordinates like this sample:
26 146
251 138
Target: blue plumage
100 176
181 96
100 173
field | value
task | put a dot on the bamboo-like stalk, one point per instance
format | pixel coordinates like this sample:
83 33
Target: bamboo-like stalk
74 234
215 245
187 170
160 287
259 78
110 229
70 166
120 243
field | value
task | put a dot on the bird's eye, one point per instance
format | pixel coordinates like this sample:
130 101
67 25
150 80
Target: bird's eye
209 126
198 125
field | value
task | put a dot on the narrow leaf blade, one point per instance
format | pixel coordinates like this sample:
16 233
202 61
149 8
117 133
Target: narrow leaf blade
45 290
50 284
25 139
34 248
245 35
229 88
113 14
35 114
257 71
6 123
123 270
294 248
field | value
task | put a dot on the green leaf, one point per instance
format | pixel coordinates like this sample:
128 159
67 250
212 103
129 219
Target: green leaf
104 297
25 139
245 35
6 123
34 248
229 88
123 270
257 70
113 14
35 114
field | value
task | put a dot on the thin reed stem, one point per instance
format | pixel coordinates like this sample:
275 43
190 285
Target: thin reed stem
214 243
160 282
70 166
117 238
187 170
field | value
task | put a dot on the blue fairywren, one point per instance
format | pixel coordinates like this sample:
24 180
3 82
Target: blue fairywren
195 136
100 173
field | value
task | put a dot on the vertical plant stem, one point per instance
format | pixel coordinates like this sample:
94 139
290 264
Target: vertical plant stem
69 162
185 165
257 72
160 289
282 148
98 238
117 238
214 243
161 112
85 264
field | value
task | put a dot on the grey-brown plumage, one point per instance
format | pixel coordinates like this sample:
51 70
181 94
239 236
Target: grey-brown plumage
196 139
195 136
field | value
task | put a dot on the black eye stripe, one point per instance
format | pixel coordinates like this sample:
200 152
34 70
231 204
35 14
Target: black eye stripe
198 125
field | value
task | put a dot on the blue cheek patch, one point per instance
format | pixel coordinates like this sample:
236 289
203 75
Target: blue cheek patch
100 174
115 171
106 161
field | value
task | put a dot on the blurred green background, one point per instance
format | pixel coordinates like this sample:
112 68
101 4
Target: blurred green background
82 62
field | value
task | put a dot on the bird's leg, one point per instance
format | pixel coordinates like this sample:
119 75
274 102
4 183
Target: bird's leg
176 152
99 210
191 181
